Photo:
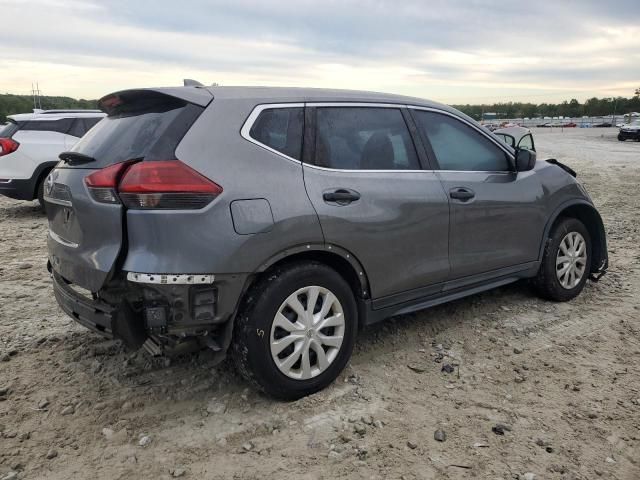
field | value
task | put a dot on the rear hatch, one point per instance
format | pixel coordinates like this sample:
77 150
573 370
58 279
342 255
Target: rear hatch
86 225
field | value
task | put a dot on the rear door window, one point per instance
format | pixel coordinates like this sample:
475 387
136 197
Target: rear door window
280 129
62 125
363 138
458 146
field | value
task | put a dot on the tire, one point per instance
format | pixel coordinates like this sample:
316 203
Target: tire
40 194
256 329
621 138
549 283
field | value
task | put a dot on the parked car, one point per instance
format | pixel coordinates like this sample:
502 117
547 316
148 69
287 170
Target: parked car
491 126
30 144
630 131
198 217
517 137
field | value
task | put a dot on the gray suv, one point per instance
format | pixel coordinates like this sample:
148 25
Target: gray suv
273 223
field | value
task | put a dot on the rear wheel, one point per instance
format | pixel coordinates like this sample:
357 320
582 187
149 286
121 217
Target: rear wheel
565 263
296 330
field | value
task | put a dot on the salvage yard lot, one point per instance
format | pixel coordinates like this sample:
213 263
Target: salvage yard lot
563 378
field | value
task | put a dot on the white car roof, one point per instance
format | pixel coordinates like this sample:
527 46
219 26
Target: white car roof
56 115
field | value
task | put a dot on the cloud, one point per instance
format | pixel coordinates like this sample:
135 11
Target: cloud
454 52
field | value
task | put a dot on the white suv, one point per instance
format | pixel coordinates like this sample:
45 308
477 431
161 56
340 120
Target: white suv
30 144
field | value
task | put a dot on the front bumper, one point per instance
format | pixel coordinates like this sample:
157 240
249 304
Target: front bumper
629 135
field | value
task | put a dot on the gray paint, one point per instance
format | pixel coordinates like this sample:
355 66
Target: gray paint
409 243
251 216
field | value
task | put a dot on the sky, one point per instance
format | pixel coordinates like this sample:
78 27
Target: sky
464 51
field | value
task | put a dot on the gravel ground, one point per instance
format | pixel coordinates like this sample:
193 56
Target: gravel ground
537 389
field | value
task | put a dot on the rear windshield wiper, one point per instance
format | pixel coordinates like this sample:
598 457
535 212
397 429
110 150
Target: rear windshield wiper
75 158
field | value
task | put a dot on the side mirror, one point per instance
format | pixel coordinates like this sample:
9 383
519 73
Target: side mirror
525 160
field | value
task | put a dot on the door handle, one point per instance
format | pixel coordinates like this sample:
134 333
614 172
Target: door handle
463 194
341 196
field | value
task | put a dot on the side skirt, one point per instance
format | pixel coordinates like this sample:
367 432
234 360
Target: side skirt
372 316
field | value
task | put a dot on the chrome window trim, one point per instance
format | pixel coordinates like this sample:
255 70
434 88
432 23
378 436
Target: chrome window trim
365 171
355 104
258 109
255 113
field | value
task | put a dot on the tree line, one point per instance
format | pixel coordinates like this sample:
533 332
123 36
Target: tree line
11 104
593 107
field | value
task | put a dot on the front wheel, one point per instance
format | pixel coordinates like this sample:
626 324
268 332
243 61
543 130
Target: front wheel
566 261
621 138
296 330
40 194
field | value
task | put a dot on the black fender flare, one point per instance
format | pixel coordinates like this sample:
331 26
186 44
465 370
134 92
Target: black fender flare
595 225
325 249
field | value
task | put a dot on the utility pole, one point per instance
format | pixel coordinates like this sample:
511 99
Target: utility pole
35 92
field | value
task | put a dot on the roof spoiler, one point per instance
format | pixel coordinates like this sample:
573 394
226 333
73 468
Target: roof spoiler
197 96
189 82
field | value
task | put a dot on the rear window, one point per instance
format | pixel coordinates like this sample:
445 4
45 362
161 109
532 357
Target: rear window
141 125
82 125
7 131
281 130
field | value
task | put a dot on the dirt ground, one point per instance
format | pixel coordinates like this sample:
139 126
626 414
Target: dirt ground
563 379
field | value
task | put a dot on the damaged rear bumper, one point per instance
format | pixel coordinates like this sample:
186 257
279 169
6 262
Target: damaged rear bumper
109 321
95 315
169 311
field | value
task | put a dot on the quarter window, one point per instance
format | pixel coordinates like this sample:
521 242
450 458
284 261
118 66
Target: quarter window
363 138
280 129
458 146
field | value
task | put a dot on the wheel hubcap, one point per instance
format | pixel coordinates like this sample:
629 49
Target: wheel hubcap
307 332
571 260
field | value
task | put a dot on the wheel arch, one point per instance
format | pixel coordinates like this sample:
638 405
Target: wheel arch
589 216
341 260
39 176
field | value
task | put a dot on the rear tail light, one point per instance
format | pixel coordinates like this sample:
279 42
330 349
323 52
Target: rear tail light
103 184
168 184
7 146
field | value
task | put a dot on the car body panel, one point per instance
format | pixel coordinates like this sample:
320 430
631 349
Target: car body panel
500 227
85 237
399 228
